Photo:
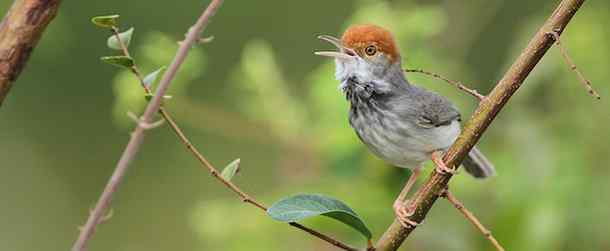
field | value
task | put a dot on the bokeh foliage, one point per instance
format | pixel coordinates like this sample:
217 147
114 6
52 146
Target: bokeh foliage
258 93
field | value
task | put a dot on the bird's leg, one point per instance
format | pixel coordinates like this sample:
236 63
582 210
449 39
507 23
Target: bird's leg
441 168
401 209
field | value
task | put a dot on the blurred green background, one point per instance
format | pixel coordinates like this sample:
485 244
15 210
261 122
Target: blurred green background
258 93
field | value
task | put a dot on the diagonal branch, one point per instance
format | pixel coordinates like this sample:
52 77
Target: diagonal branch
481 119
570 63
137 136
473 219
244 196
20 31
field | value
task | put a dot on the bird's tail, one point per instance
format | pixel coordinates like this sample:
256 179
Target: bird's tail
478 165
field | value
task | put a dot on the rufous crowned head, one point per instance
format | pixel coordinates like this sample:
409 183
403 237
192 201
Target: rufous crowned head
367 52
366 41
370 39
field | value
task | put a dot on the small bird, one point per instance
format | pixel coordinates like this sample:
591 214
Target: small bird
403 124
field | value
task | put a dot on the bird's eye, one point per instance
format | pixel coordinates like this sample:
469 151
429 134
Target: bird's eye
370 50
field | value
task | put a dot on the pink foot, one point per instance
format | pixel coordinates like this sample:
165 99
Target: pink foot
440 165
444 170
403 213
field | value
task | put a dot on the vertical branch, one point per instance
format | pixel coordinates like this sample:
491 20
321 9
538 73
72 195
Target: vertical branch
137 136
481 119
20 31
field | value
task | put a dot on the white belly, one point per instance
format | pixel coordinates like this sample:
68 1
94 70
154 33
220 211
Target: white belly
408 150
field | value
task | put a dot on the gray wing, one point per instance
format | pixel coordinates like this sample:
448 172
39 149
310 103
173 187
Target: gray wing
430 109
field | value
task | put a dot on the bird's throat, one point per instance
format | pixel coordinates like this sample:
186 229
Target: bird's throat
357 91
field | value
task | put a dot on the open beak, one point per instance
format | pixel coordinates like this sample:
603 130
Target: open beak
343 53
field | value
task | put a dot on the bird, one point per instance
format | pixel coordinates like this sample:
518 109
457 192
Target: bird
403 124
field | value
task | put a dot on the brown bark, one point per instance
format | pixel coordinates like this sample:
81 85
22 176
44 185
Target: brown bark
20 31
481 119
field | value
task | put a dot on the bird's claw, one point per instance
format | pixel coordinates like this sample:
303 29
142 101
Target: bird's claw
441 168
403 213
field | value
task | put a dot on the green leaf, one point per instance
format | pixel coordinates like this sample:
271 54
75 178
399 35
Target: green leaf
113 42
121 61
108 21
150 79
303 206
230 170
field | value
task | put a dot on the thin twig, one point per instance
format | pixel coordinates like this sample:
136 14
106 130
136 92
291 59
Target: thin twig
470 217
244 196
137 136
134 67
457 84
324 237
213 171
202 160
570 63
231 186
483 116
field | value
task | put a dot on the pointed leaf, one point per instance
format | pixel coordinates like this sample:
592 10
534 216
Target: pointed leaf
230 170
113 42
205 40
108 21
151 78
121 61
303 206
